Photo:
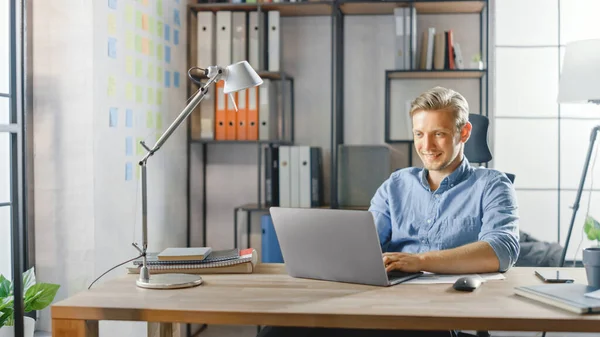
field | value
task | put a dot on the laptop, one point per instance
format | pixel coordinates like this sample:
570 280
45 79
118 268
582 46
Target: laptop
333 245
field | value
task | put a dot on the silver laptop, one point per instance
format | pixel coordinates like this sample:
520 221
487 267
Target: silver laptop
333 245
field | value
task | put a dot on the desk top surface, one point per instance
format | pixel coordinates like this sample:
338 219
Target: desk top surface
270 297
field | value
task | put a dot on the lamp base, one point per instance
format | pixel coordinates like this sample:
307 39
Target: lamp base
170 281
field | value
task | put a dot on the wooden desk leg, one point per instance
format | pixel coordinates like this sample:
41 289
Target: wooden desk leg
164 329
74 328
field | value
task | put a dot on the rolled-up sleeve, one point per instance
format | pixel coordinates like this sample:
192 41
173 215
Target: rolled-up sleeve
381 214
500 225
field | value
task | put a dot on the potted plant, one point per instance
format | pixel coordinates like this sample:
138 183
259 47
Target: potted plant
591 255
37 296
476 62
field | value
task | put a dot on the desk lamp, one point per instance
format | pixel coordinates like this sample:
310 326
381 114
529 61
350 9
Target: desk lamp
238 76
580 83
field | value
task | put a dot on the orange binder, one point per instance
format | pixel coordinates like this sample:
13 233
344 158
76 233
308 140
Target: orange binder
242 114
220 111
252 114
231 115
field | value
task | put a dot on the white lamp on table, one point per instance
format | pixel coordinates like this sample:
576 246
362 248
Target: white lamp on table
238 76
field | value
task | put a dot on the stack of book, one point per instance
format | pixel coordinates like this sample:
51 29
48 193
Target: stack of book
181 260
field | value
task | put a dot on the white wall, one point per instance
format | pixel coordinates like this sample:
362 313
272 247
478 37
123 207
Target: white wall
87 206
552 138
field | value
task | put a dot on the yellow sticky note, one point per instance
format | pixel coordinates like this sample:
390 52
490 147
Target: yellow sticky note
129 40
150 96
159 74
145 46
150 120
151 24
129 91
138 43
139 149
159 96
112 24
128 13
138 68
159 7
151 48
138 94
159 28
111 89
129 65
159 51
150 72
138 19
158 121
145 2
145 25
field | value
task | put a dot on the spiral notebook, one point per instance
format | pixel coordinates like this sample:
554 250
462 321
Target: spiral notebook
214 256
245 256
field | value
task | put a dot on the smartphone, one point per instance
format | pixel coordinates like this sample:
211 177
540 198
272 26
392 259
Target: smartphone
554 276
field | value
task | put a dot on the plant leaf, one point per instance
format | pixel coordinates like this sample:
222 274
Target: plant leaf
6 318
5 287
6 303
28 279
42 295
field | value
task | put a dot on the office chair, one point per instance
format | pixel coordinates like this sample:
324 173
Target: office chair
476 148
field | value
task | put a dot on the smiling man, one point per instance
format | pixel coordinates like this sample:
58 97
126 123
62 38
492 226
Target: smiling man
447 217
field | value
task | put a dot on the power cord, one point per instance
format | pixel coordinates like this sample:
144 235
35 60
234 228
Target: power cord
137 257
194 78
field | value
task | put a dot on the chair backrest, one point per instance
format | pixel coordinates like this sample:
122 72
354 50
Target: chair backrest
477 149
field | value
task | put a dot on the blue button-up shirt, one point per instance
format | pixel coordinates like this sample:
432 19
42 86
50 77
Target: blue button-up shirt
471 204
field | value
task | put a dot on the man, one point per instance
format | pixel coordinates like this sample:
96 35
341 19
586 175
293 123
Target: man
447 217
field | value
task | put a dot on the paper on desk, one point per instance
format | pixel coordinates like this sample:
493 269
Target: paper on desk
430 278
593 294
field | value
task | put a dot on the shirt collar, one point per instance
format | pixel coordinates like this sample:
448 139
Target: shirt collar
451 180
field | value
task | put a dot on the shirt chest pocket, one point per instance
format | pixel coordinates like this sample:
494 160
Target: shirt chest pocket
456 232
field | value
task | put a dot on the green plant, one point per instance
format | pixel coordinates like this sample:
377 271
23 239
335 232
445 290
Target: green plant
37 296
591 227
476 57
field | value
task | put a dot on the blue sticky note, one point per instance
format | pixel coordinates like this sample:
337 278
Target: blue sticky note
167 32
168 54
176 18
113 117
176 36
112 47
176 79
128 171
112 4
129 118
128 146
167 79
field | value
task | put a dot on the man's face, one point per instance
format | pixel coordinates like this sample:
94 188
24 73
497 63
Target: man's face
437 141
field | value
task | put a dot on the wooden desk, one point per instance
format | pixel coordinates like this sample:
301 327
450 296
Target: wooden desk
270 297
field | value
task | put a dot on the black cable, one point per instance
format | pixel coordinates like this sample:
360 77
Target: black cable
112 269
191 77
544 334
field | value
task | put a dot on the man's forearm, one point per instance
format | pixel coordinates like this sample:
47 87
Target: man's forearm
477 257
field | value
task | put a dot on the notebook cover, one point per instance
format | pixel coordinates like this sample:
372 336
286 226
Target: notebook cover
214 256
184 253
568 296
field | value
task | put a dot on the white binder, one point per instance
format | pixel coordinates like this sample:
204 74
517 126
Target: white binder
295 176
274 35
238 48
205 58
254 41
267 110
304 165
224 21
400 52
284 177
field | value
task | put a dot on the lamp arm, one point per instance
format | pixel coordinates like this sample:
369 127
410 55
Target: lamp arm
579 191
214 74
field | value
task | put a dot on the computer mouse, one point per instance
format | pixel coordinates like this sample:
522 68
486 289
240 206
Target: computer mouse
467 283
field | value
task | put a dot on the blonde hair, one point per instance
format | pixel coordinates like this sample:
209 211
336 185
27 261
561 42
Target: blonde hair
443 99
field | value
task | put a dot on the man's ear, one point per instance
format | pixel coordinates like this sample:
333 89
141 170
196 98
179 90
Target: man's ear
465 132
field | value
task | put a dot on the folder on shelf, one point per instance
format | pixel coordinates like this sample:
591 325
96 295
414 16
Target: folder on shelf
223 54
267 110
254 41
220 111
310 176
284 177
271 176
238 35
274 44
439 49
242 115
294 164
252 114
231 116
206 57
400 51
270 249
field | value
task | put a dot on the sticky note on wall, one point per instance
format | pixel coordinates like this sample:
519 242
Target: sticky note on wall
150 120
138 68
129 118
176 17
168 54
150 72
159 28
159 7
112 47
138 94
111 86
128 13
176 36
176 79
167 79
159 74
150 96
145 23
113 117
112 24
129 40
112 4
167 32
159 96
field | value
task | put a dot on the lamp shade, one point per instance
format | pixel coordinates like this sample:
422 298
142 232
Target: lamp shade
240 76
580 76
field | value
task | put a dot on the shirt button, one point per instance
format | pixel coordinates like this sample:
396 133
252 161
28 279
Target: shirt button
428 220
451 185
437 195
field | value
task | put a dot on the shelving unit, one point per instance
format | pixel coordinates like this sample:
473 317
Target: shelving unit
337 10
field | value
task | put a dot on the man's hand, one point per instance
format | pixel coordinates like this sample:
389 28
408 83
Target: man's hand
406 262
